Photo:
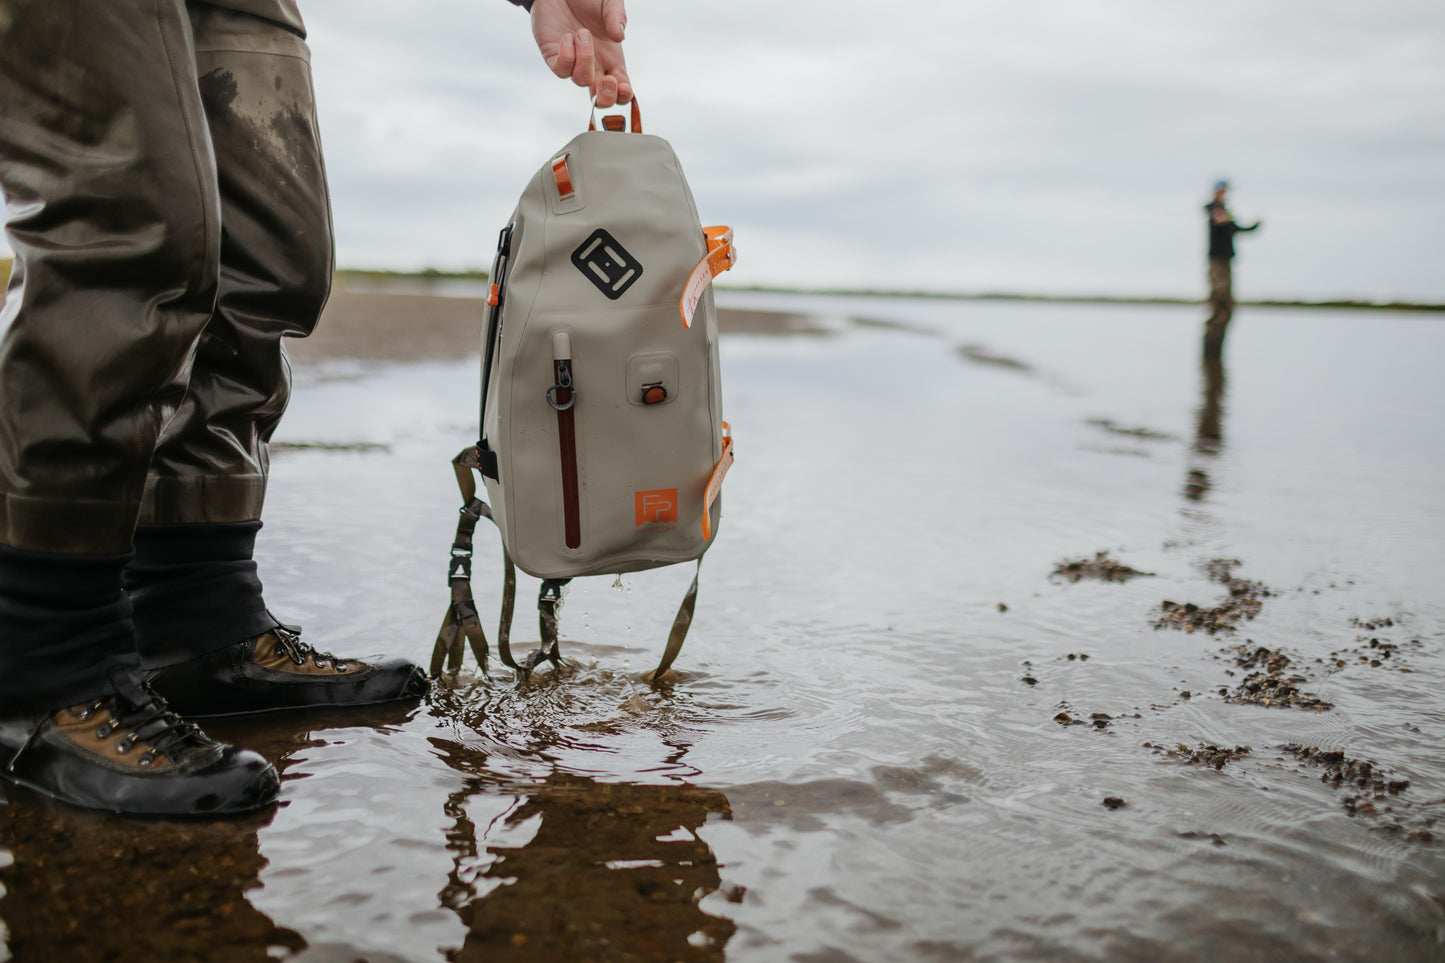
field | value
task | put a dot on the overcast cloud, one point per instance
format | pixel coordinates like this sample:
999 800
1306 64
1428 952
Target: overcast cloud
1055 146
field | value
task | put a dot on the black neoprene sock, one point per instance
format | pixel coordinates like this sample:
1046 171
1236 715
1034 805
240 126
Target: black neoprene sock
195 590
65 624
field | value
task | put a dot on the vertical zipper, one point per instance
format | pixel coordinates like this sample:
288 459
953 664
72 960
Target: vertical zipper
562 396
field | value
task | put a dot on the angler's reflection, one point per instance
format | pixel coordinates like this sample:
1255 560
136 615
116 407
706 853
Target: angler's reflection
610 872
1209 430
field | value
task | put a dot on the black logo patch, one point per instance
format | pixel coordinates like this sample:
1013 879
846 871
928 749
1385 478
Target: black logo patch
607 264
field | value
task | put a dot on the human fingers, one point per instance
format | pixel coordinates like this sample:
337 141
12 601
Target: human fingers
562 61
614 19
605 92
584 67
624 85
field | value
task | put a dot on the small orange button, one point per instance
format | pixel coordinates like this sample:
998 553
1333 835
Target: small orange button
654 395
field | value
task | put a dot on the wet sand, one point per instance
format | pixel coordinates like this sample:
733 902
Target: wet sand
369 325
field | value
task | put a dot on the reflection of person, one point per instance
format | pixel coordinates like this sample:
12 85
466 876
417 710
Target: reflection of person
611 871
169 217
1222 228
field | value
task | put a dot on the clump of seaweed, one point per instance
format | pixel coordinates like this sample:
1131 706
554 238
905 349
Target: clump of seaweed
1215 757
1100 567
1372 651
1372 793
1270 681
1244 602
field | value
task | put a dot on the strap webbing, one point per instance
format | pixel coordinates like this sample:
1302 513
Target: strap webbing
680 625
463 625
720 257
462 621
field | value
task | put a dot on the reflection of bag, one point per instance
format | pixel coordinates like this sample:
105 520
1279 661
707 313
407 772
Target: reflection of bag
603 446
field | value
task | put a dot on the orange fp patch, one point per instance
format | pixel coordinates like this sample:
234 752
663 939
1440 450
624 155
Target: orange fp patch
658 505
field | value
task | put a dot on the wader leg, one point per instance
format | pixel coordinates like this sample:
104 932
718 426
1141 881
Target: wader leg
113 216
208 477
254 80
1221 306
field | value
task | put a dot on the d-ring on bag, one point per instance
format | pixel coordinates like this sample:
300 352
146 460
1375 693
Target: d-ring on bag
603 446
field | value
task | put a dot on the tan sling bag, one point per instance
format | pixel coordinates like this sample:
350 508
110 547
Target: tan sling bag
602 446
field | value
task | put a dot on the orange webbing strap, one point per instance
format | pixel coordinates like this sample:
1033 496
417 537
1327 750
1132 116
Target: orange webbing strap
563 177
720 257
715 480
462 622
636 119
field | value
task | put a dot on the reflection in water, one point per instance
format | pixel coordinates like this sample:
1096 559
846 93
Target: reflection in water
1209 431
90 886
599 871
85 885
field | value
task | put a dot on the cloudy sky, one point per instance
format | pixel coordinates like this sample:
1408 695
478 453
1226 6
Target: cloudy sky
1053 146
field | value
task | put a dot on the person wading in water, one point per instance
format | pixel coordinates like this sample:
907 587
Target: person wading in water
1222 228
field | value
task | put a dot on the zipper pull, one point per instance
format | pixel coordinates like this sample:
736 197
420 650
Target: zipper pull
562 395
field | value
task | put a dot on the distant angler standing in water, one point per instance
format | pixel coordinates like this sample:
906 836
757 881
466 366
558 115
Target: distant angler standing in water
1222 228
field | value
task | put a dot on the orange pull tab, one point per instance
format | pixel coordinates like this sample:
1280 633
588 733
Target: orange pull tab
714 482
720 257
563 177
615 123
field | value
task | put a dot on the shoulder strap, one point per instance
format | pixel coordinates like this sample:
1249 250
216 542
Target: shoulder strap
680 625
462 621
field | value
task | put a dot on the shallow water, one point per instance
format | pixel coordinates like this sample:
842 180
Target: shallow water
897 733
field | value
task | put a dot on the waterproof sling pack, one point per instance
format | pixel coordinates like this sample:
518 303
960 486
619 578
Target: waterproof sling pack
602 443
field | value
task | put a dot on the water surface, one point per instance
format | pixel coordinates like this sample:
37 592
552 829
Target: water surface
897 733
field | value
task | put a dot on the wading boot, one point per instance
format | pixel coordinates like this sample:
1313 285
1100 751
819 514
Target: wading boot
127 752
276 670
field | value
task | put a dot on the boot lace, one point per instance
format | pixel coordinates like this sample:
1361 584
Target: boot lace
147 721
289 644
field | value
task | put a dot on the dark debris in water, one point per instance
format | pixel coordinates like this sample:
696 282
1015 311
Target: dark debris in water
1214 838
1215 757
1069 716
1271 681
1114 802
1372 651
981 355
1100 567
363 447
1244 602
1144 434
1371 792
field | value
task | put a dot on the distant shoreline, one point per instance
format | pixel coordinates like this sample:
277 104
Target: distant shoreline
355 275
